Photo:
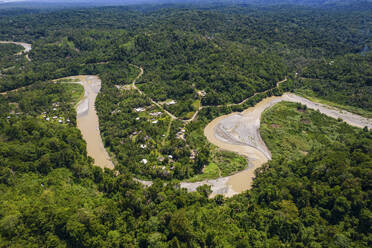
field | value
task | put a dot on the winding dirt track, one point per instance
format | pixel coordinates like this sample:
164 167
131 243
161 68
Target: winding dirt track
239 133
27 47
151 100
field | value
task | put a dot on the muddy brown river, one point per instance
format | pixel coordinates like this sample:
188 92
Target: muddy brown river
88 122
236 132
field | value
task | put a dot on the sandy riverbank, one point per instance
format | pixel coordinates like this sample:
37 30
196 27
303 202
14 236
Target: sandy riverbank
239 133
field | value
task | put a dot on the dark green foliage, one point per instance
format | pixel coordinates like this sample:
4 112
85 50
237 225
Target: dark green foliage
345 80
186 63
9 58
316 192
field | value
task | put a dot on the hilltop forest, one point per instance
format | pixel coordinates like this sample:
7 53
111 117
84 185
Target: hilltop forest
198 62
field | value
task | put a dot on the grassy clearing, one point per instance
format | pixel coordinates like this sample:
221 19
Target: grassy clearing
222 164
300 131
76 91
211 171
196 104
229 162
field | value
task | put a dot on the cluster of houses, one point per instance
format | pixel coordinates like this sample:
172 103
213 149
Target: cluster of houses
161 159
179 134
153 114
55 118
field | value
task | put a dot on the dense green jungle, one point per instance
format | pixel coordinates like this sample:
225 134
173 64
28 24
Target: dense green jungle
198 63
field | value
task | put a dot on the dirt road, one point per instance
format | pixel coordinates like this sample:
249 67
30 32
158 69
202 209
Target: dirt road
151 100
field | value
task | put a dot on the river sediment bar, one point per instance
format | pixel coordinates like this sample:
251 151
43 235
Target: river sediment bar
239 133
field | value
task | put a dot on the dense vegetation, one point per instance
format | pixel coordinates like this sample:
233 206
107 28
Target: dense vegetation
8 59
184 64
346 80
316 192
321 199
134 129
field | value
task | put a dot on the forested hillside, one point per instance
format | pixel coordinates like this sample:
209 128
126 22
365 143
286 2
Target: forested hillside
166 72
346 80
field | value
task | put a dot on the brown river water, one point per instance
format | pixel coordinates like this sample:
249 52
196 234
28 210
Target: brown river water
88 122
236 132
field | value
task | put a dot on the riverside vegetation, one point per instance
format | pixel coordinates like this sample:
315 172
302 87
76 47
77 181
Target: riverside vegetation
314 193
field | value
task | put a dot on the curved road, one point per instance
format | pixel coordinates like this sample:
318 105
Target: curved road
151 100
233 104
